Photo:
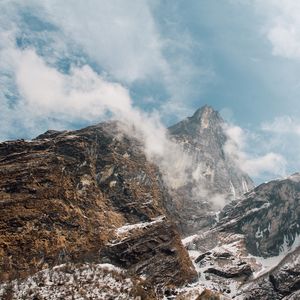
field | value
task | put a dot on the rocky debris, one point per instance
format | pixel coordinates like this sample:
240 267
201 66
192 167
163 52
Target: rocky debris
201 257
214 179
64 195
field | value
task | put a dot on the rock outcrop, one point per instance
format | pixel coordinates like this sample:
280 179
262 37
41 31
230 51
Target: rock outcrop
282 282
86 196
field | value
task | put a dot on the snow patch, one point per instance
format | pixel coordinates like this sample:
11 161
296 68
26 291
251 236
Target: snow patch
126 228
189 239
271 262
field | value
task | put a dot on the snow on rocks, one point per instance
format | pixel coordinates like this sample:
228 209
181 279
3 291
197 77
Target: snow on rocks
127 228
70 281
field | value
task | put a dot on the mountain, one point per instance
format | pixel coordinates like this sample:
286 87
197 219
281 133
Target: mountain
86 199
268 216
203 136
253 251
85 215
214 179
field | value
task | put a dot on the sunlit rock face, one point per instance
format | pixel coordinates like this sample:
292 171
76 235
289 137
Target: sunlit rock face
86 196
214 179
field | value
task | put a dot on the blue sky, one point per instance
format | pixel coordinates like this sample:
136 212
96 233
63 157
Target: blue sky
67 64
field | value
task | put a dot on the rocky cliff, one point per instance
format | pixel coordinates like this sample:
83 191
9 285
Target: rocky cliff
85 215
214 178
86 196
203 136
253 251
268 216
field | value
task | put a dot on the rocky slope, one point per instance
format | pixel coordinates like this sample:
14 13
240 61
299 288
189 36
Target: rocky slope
87 196
253 252
214 179
281 282
268 217
84 215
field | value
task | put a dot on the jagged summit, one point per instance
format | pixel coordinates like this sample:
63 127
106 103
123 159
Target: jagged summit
205 111
204 119
204 137
217 178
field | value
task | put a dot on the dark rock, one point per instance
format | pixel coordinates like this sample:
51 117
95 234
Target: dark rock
269 216
201 257
233 272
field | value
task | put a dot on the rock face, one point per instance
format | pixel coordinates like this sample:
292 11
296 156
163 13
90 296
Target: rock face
254 248
203 136
214 177
268 217
283 282
87 196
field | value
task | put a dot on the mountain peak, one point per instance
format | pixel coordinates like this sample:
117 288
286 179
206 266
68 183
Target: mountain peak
202 136
204 118
206 109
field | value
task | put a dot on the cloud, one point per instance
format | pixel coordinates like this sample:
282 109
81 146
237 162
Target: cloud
126 42
46 95
255 165
282 125
121 37
83 95
282 26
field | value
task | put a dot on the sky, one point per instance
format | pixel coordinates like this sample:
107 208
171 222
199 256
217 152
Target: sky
68 64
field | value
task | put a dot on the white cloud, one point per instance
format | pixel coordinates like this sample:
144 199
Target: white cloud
48 98
123 39
282 125
282 26
82 94
120 36
255 165
58 98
